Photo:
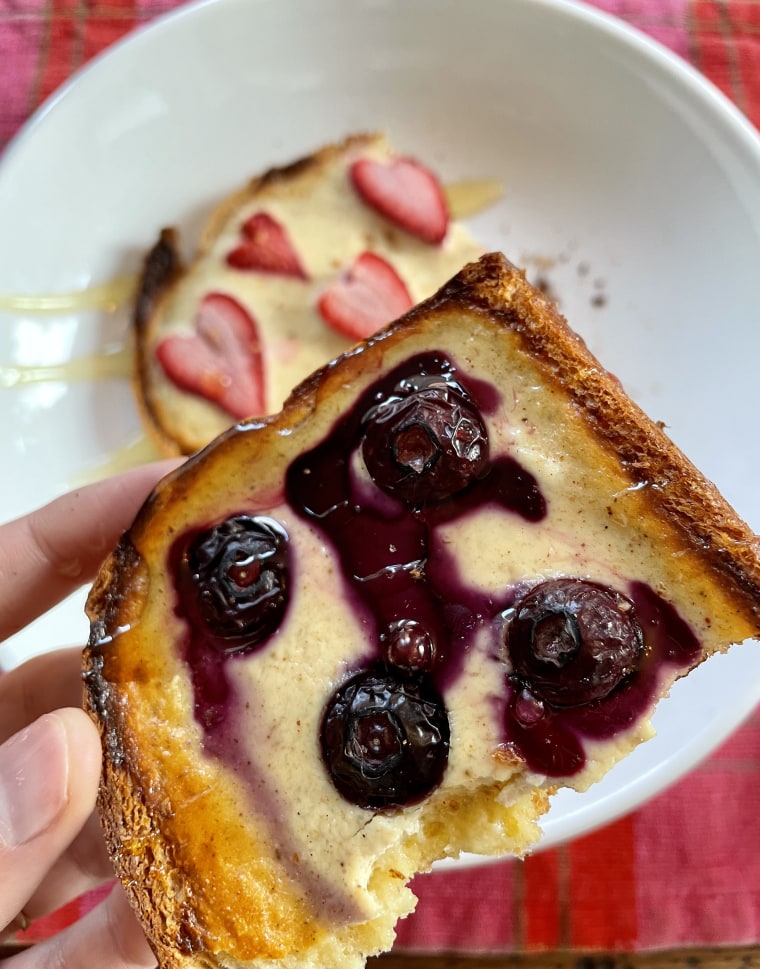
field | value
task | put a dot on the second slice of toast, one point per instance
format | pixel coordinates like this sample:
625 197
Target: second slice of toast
284 269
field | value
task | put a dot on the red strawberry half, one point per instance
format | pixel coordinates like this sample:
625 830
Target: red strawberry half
266 247
405 192
222 360
367 296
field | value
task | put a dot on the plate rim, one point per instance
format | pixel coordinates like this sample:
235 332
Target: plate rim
690 79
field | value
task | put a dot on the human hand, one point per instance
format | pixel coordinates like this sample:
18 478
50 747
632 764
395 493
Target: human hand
51 845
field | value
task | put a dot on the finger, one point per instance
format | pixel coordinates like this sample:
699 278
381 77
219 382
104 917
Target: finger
108 937
49 682
83 866
45 683
43 802
50 553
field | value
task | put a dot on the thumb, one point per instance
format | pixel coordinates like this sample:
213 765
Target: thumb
49 774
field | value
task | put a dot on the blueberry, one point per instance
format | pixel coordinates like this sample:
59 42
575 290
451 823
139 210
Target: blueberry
409 646
236 581
385 739
572 642
426 442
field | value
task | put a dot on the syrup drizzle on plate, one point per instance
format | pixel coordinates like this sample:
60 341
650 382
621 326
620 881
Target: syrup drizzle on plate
471 196
138 450
106 296
113 363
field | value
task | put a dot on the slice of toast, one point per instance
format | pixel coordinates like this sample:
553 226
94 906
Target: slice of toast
277 285
453 575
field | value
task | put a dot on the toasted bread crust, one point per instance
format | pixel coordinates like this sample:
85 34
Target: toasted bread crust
695 519
162 268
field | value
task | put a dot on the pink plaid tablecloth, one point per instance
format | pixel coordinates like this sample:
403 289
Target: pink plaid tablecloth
685 869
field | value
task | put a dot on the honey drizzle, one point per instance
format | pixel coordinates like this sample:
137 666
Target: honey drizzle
471 196
114 363
137 451
106 297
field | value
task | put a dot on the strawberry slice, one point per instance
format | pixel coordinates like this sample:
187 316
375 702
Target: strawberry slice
266 248
367 296
405 192
222 360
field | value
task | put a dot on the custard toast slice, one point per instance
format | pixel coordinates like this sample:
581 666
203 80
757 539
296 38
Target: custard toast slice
453 575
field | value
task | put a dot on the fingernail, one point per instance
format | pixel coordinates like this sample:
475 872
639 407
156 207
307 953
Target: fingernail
33 780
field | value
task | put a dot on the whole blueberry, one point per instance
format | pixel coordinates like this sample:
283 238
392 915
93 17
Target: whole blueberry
426 442
571 642
409 646
385 738
236 580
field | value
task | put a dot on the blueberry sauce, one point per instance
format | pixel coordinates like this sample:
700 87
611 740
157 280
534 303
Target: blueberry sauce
384 549
423 442
394 568
411 455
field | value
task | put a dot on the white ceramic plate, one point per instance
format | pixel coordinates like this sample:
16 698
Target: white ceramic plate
631 186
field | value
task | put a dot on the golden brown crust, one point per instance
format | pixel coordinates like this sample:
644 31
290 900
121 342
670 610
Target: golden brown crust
162 268
717 553
125 806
